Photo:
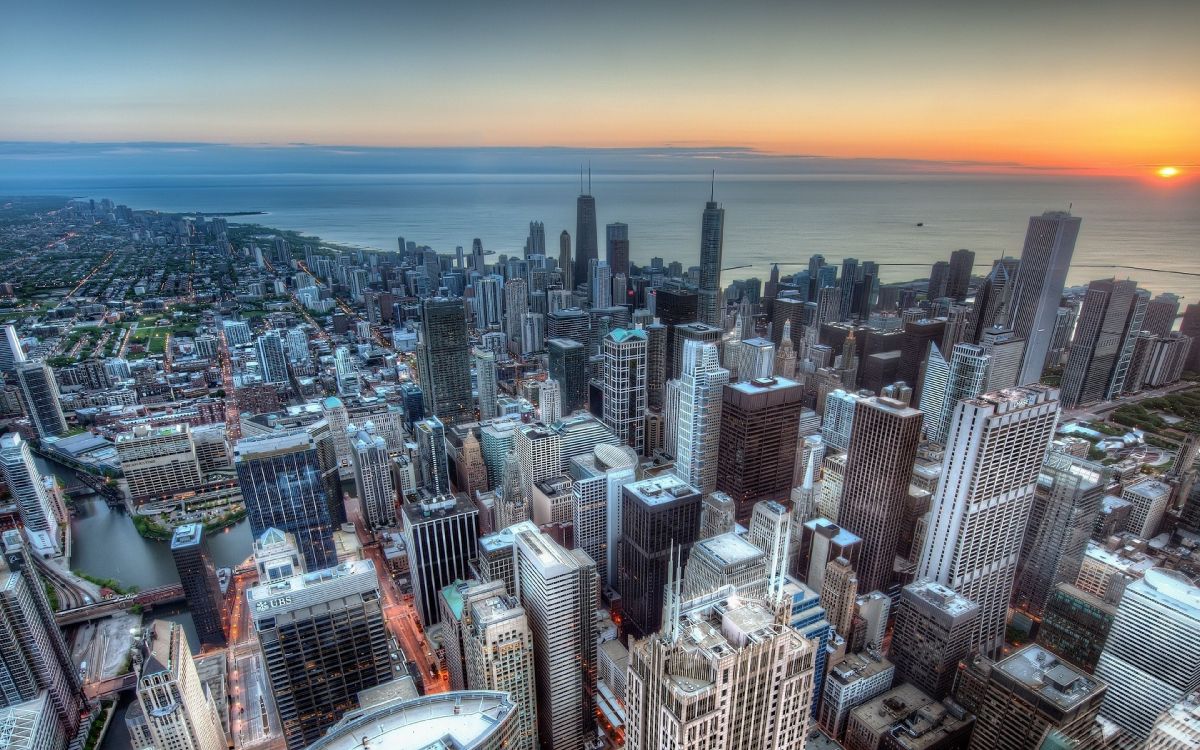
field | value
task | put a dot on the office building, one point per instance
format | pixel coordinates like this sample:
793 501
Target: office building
697 431
585 237
720 674
1152 657
756 359
11 351
958 277
276 556
199 578
839 594
440 533
158 461
656 364
296 619
966 378
485 378
34 657
549 396
432 463
1178 728
879 461
905 718
934 630
1148 499
712 239
597 478
539 452
1038 286
272 360
819 542
1031 699
177 710
1075 625
673 307
498 655
726 559
373 482
27 487
660 517
468 719
851 682
516 305
1065 505
977 522
559 591
616 254
756 453
43 404
443 360
280 476
1111 313
568 366
625 385
684 332
454 602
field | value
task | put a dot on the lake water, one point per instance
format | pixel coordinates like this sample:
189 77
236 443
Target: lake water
768 218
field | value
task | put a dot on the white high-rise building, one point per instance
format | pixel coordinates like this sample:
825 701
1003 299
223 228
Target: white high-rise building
994 452
597 478
28 488
1037 291
272 361
698 429
516 305
11 351
934 381
158 461
297 344
348 382
722 674
559 589
498 655
373 477
756 359
1006 350
539 453
1151 659
178 712
838 419
485 378
601 284
966 378
533 333
549 401
625 385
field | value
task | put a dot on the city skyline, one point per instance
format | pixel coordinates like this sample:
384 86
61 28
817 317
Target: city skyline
1031 87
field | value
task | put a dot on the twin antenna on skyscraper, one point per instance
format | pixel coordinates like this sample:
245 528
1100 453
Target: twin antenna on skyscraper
589 181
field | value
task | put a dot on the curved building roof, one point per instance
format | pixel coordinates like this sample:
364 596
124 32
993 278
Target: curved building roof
459 720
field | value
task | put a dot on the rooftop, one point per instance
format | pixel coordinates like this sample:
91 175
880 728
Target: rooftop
460 720
762 385
661 490
187 535
1041 672
728 549
940 598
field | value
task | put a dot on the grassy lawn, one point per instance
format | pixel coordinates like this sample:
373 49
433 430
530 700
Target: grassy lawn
1147 415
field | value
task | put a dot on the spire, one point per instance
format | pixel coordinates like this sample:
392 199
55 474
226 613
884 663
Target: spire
712 189
671 604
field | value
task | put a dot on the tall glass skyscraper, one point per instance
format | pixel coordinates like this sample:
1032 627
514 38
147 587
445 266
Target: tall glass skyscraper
444 361
1037 291
712 232
280 478
585 236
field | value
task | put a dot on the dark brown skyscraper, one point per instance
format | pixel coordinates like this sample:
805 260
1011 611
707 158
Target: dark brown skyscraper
757 453
879 462
959 277
672 307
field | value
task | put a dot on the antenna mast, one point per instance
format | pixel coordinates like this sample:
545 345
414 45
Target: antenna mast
712 189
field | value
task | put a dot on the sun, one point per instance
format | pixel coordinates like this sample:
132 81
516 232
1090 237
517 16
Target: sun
1167 172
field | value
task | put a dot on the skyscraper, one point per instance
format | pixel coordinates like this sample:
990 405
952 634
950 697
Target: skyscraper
440 534
1160 314
498 655
973 541
585 236
444 360
1038 287
625 385
616 237
559 591
39 390
1111 313
28 489
485 376
432 463
33 654
516 304
1065 506
11 351
721 674
179 713
272 359
373 483
1152 657
959 277
568 361
280 477
660 517
298 620
712 240
565 265
967 376
597 480
158 461
879 462
535 243
697 434
933 631
756 453
199 578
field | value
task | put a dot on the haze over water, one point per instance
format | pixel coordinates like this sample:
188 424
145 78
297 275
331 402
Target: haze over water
768 217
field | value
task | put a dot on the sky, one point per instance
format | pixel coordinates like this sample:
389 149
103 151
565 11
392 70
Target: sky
1098 87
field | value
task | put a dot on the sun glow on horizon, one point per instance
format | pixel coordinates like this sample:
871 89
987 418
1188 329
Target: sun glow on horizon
1168 172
